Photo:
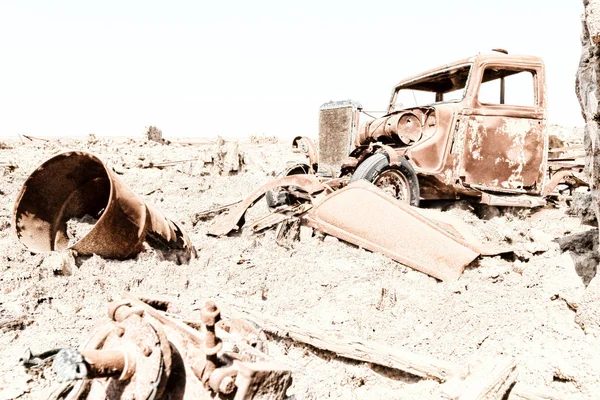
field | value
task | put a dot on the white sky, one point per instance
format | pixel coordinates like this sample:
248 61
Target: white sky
235 68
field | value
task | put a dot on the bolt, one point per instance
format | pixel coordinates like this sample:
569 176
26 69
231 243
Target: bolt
227 385
147 351
210 315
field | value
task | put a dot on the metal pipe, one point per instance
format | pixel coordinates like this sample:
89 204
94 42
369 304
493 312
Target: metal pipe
71 364
75 184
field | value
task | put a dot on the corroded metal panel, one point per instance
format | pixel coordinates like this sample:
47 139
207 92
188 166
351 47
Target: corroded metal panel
504 153
337 125
392 228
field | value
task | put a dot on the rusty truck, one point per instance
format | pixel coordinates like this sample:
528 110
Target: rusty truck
474 128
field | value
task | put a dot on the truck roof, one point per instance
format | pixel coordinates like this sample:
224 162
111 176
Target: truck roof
489 57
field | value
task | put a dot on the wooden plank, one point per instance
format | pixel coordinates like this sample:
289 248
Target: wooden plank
566 148
487 380
521 392
353 348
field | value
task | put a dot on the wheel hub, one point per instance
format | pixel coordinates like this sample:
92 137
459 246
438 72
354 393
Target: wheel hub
395 184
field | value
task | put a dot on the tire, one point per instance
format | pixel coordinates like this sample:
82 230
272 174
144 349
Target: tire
400 181
276 198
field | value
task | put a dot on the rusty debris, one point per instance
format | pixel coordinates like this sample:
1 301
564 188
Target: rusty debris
467 135
140 352
392 228
473 129
77 185
308 184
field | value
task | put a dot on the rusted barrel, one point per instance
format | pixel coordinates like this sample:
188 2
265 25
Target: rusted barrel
75 184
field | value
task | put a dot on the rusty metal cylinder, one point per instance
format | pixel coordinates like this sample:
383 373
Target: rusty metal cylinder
405 127
70 364
76 184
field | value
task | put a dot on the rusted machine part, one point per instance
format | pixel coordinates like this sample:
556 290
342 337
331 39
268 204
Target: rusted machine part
242 330
75 184
236 374
306 145
70 364
408 128
557 178
164 357
129 356
210 315
392 228
512 201
402 127
234 220
261 380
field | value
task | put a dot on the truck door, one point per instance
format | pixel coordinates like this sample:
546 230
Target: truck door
505 142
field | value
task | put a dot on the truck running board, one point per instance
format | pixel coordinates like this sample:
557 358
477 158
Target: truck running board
512 201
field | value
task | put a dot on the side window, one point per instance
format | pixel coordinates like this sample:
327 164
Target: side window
519 87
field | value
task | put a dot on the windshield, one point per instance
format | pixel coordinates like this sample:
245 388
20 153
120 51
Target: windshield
439 87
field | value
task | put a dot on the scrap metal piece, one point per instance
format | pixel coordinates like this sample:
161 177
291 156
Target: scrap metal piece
129 357
288 232
235 219
283 214
304 145
75 184
512 201
364 215
338 123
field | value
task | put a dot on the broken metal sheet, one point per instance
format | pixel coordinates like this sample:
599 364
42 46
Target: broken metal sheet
288 232
306 146
235 219
75 184
505 152
338 122
141 352
283 214
512 201
364 215
461 229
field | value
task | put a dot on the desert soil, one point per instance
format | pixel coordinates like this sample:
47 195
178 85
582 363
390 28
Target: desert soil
522 306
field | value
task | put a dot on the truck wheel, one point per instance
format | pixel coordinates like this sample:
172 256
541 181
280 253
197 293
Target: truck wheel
276 198
400 181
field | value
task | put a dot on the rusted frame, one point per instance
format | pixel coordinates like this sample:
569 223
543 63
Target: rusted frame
307 183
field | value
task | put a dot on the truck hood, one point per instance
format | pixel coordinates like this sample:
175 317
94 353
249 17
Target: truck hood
402 127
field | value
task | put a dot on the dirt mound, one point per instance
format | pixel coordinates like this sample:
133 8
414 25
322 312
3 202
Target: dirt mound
523 306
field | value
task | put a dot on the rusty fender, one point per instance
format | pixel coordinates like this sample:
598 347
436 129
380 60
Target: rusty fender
364 215
305 145
235 219
75 184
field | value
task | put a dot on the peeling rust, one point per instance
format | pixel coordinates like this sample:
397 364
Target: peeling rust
307 183
391 228
462 141
75 184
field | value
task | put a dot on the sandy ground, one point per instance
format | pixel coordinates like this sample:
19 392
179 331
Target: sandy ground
523 306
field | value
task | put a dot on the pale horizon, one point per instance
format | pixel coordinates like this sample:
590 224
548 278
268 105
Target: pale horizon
202 69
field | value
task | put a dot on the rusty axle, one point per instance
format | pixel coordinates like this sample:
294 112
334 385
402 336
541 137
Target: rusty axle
71 364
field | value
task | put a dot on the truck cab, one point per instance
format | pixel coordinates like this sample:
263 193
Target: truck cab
474 126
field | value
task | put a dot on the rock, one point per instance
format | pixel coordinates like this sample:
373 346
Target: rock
487 212
231 158
227 158
59 263
567 285
588 312
540 237
587 89
582 206
583 248
330 239
155 135
306 233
